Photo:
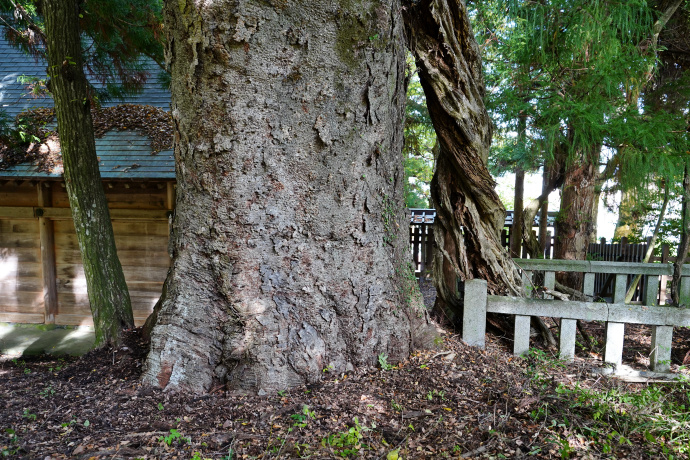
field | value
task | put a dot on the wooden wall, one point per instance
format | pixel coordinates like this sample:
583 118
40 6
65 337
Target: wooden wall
46 284
21 282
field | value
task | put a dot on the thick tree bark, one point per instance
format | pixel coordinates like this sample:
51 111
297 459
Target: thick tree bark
552 179
518 214
469 212
105 282
574 225
684 245
290 249
519 197
544 211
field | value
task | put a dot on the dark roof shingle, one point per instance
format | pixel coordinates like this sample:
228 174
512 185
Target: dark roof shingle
122 154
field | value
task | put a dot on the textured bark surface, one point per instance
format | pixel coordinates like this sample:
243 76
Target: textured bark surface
552 178
684 245
469 212
574 224
290 248
105 282
518 214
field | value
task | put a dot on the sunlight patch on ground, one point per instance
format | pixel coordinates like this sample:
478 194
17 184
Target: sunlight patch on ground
18 340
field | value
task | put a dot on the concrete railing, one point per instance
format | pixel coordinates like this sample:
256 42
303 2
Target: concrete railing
616 315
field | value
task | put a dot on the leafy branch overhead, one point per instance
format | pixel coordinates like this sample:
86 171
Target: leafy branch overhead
34 139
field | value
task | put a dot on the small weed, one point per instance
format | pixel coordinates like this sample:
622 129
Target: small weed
282 393
328 368
396 407
28 415
347 443
160 406
441 394
302 418
174 436
47 392
70 423
58 367
383 362
13 448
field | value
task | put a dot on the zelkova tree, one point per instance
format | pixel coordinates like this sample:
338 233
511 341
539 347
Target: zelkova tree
290 250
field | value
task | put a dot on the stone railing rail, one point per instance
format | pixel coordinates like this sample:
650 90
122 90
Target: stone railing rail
616 314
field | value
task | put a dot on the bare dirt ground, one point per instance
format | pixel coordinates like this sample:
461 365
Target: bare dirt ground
453 401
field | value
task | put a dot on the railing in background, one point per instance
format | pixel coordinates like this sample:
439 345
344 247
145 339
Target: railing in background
616 314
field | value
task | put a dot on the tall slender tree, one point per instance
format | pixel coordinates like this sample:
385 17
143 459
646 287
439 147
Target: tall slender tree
108 295
56 29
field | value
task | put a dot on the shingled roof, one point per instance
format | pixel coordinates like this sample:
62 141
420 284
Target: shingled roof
125 154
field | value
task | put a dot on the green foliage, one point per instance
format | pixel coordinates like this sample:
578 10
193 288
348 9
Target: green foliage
302 418
174 436
604 419
12 448
420 139
383 362
347 443
580 80
115 37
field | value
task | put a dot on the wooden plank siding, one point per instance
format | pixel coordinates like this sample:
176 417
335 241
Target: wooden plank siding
140 224
21 285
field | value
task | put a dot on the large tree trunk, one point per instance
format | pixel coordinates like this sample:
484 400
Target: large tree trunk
574 225
290 249
469 212
105 282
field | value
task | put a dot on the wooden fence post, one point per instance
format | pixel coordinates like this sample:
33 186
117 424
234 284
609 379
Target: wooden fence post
47 237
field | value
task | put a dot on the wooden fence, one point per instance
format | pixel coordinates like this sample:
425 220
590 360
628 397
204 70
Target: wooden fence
616 314
422 240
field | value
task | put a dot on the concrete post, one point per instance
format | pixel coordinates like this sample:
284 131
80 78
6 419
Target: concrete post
662 336
474 313
521 335
660 358
549 282
615 334
588 287
566 348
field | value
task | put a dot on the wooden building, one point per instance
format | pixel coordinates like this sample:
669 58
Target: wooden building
41 275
